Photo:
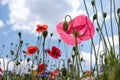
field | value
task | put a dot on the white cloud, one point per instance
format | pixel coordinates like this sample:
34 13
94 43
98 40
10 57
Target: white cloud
86 57
1 23
116 42
25 14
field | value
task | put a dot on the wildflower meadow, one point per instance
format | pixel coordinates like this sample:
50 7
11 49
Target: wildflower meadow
63 59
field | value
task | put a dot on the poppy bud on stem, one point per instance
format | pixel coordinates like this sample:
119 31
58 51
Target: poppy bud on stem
65 24
118 10
93 2
104 15
95 16
19 34
45 33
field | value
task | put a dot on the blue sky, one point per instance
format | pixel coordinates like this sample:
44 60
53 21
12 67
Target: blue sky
23 15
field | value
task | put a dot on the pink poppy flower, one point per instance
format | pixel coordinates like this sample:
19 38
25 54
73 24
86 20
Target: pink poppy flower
80 27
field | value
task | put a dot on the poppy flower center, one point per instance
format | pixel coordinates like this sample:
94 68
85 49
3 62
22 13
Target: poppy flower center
55 53
77 33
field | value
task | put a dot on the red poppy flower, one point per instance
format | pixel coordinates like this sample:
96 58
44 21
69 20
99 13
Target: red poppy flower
41 28
55 53
80 27
41 67
1 70
53 74
31 50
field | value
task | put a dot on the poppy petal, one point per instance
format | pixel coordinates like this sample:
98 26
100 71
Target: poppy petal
69 39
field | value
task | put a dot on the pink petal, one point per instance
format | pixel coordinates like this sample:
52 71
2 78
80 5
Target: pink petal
65 36
89 30
79 21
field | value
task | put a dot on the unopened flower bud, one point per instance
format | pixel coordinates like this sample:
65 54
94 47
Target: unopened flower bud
97 29
59 40
69 60
45 33
95 16
24 51
104 15
93 2
51 34
73 56
81 59
17 63
28 59
19 34
3 46
12 52
74 48
118 10
11 43
105 60
20 59
64 71
65 26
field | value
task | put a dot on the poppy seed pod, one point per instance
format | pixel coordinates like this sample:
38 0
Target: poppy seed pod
118 10
19 34
65 26
64 71
97 29
17 63
104 15
105 60
95 16
93 2
59 40
81 59
20 59
11 43
74 48
12 52
69 60
28 59
45 33
73 56
51 34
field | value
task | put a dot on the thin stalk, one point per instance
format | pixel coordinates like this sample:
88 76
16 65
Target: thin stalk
111 25
115 13
119 33
96 63
104 22
66 50
43 50
77 54
91 57
100 29
86 8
